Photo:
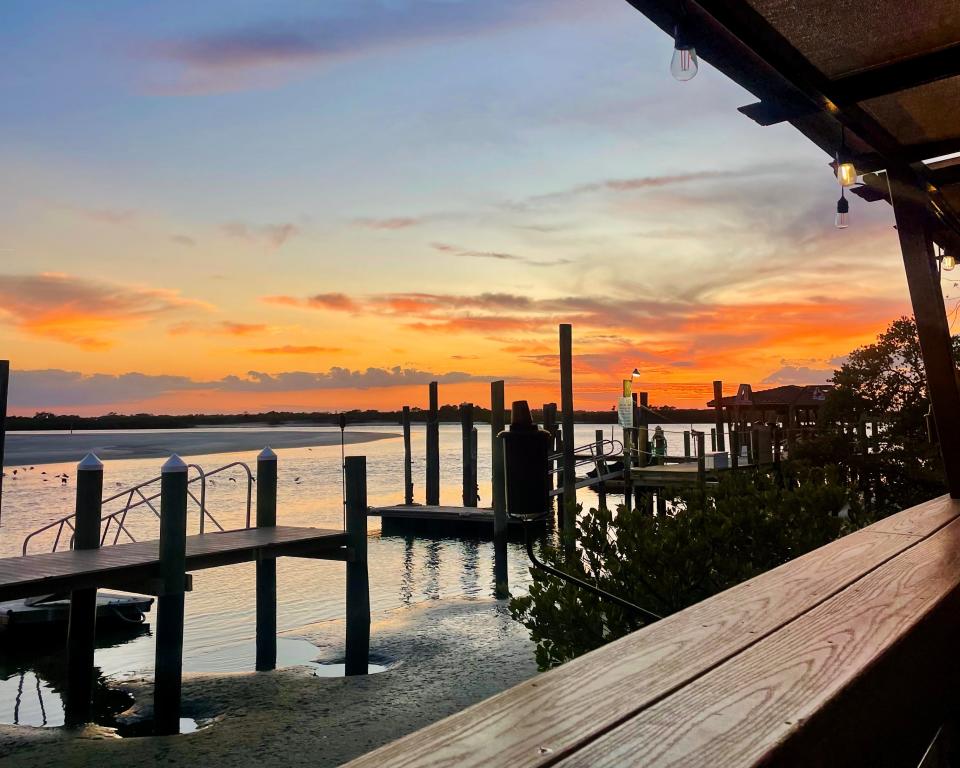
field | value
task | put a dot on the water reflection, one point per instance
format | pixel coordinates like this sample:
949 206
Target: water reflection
406 584
469 576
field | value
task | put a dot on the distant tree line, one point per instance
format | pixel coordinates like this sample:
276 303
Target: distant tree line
43 420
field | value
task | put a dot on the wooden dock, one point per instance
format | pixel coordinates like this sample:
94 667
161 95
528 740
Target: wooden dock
136 566
439 519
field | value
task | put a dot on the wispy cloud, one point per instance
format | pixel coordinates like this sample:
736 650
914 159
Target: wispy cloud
223 327
82 312
183 240
274 235
334 301
291 349
399 222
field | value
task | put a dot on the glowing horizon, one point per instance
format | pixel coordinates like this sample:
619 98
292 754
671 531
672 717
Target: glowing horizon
269 206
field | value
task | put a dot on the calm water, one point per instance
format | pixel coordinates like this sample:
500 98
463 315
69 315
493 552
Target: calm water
219 629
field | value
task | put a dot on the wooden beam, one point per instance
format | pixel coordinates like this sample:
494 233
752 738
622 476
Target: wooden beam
923 280
899 76
773 111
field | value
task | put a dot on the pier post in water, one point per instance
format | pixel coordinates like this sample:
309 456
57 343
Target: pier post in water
407 457
718 410
469 465
81 631
568 519
169 631
358 585
497 425
266 566
433 447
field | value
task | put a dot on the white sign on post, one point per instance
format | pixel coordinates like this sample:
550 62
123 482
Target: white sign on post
625 412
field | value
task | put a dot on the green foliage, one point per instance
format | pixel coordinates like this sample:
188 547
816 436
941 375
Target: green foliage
664 563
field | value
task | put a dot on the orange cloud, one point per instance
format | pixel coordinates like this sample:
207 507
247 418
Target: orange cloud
226 327
290 349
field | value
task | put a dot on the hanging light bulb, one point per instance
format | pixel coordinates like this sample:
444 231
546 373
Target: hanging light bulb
683 65
842 221
948 261
846 171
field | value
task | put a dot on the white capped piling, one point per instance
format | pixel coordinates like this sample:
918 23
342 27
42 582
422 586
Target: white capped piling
497 425
81 630
266 566
169 631
358 585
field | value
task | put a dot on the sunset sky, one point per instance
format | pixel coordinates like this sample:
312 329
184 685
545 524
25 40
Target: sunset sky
256 204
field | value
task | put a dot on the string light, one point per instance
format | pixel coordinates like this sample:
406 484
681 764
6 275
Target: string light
683 65
947 260
842 220
846 171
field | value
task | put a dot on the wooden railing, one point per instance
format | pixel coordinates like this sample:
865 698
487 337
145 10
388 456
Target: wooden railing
846 656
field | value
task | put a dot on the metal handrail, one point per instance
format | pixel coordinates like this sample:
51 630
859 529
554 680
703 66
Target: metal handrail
118 517
609 449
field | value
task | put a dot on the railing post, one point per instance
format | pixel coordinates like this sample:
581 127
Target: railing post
497 425
407 457
81 631
433 447
169 649
266 566
358 586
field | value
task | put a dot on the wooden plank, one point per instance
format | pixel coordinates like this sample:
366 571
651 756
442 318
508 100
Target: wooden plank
800 696
557 712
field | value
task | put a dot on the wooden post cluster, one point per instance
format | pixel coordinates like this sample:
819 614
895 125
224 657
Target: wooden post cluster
81 630
266 566
170 603
468 435
433 447
568 518
407 457
358 585
497 425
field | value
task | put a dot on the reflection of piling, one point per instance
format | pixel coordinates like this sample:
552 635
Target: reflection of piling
266 566
169 648
568 510
358 594
469 455
407 457
497 403
433 447
81 632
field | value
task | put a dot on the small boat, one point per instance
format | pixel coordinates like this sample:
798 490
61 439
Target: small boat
38 612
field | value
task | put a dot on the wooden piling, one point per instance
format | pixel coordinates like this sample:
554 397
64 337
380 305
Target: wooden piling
469 464
358 586
718 410
550 425
686 443
266 566
169 630
569 520
601 467
433 447
81 630
734 448
4 389
701 463
407 457
643 440
713 439
497 425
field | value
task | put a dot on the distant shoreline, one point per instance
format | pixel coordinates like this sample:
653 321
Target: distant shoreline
31 449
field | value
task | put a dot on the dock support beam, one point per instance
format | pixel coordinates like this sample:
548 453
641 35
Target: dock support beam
81 631
926 295
469 456
497 425
407 457
433 447
358 585
173 553
568 518
266 566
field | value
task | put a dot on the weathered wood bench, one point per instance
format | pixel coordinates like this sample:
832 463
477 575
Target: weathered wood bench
844 656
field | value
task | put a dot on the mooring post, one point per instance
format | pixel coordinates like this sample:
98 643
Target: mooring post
81 630
701 464
433 447
713 439
266 566
734 448
497 425
358 585
601 466
407 457
550 425
718 411
469 470
686 443
569 521
4 388
169 631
